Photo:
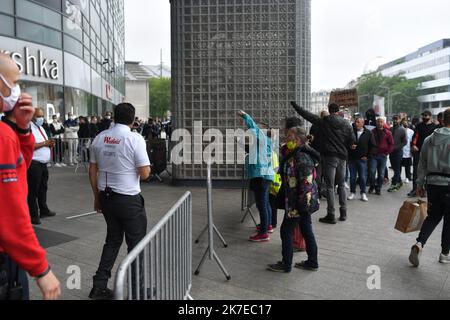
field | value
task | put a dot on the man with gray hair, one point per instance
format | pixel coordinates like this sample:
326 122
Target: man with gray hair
38 172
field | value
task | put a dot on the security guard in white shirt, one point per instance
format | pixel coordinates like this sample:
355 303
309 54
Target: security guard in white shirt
38 172
118 161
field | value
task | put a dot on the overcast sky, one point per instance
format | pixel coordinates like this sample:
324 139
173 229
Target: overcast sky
346 34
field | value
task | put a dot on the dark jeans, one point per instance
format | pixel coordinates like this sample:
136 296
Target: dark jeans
396 162
37 189
124 215
273 209
334 170
287 237
378 165
438 209
58 151
260 187
416 160
407 163
11 269
358 168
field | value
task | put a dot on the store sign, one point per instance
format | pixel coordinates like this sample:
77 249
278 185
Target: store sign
344 98
35 65
35 62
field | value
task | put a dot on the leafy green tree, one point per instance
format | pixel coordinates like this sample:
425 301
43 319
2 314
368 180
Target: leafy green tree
401 94
160 96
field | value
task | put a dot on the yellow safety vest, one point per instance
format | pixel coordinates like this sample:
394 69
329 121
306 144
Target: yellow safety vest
276 184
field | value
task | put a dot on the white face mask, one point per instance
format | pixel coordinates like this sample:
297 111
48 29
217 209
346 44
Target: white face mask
10 102
40 121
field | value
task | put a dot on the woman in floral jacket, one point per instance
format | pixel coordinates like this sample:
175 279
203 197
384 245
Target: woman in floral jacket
301 200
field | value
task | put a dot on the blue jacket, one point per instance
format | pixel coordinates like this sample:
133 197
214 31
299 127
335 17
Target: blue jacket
259 162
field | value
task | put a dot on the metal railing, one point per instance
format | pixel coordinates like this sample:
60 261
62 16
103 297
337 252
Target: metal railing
247 197
160 267
75 152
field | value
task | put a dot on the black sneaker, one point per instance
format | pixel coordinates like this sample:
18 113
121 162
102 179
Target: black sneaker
378 192
328 220
343 218
305 265
48 214
279 267
101 294
36 221
412 194
371 190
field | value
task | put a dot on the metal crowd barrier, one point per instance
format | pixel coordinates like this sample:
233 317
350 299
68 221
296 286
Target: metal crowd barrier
160 267
75 152
247 197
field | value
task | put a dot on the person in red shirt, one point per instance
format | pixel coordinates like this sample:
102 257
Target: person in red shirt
20 250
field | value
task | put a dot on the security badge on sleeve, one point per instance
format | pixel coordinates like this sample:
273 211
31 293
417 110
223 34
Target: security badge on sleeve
9 177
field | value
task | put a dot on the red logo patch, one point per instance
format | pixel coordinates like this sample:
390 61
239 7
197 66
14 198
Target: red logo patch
109 140
9 177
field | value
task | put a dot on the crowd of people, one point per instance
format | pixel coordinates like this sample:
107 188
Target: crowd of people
310 166
337 151
73 135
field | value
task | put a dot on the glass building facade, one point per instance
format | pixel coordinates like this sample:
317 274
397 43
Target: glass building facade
71 53
230 55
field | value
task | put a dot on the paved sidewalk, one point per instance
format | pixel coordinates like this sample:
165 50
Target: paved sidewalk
346 250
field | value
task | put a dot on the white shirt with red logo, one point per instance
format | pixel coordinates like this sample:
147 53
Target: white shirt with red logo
118 153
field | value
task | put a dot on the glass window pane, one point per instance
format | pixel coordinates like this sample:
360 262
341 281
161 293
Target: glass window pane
54 4
37 13
36 33
6 25
7 6
73 46
72 28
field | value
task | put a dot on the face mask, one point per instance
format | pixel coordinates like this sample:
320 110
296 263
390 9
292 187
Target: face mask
108 118
40 122
73 118
10 102
292 145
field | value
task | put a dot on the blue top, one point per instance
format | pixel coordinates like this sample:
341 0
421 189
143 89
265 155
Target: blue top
259 162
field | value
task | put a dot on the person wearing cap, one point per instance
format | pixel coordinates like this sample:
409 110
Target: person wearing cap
119 160
20 250
400 141
423 131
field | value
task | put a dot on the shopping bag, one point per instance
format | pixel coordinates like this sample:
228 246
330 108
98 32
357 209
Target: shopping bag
411 216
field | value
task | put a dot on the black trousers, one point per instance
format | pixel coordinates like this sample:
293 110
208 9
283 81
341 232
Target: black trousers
407 163
439 208
37 189
124 215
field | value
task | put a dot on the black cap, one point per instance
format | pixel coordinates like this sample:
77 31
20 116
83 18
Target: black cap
427 113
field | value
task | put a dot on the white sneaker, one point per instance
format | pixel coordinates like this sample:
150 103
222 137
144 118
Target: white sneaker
416 253
57 165
445 259
407 181
347 186
364 198
351 197
63 165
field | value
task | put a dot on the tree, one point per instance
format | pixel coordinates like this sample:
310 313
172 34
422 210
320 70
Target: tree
400 93
160 96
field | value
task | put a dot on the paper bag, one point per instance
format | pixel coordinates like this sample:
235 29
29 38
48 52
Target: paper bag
411 216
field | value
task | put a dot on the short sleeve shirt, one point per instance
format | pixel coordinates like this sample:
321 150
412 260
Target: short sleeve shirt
118 153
